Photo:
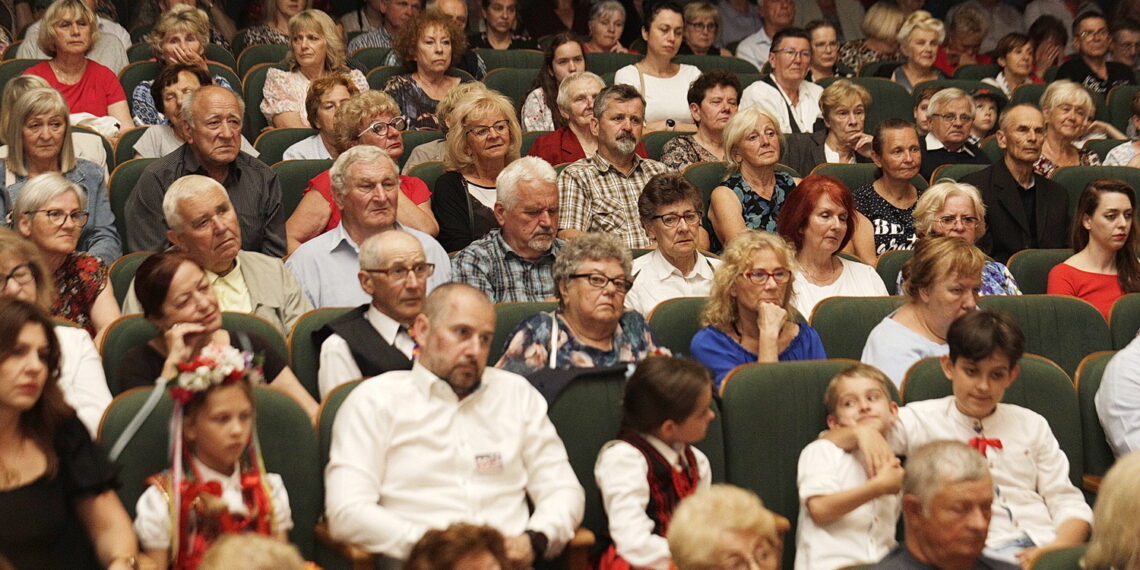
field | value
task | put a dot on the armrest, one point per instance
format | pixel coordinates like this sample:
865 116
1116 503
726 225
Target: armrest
578 551
1091 483
359 558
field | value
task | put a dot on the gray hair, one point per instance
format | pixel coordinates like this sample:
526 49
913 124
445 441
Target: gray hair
41 188
359 153
38 101
604 7
945 96
187 110
189 186
921 20
620 92
1062 92
527 168
563 99
935 197
589 247
940 463
15 88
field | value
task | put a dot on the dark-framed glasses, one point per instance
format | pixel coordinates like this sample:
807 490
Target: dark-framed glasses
380 128
482 131
670 220
760 277
600 281
704 26
968 221
21 274
400 272
59 217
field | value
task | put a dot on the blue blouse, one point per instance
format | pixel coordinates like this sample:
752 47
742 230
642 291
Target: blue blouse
720 353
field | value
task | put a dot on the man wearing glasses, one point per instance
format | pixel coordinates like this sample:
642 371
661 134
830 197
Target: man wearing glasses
951 113
365 187
1091 67
785 94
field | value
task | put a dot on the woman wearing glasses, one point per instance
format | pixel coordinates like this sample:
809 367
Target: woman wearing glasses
591 327
657 77
484 138
50 213
702 22
749 316
372 118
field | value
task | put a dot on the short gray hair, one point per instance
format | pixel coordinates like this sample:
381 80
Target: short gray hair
563 99
945 96
940 463
620 92
935 197
527 168
370 249
359 153
589 247
188 186
41 188
187 110
604 7
921 20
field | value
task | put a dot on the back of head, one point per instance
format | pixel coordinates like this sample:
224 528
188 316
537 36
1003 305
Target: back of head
662 388
251 551
443 549
940 463
977 335
882 21
1114 543
705 517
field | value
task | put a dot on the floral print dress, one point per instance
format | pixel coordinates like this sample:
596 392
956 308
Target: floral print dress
529 345
78 281
760 213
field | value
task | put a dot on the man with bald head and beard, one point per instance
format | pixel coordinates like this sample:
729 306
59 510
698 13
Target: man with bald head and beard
450 440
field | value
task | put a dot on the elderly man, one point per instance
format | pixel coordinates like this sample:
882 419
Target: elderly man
365 184
204 226
212 117
448 441
373 339
394 14
599 193
947 498
951 113
776 16
1091 67
515 263
1024 210
784 94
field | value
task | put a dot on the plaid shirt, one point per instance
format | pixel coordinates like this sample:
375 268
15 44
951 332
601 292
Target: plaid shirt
490 265
596 197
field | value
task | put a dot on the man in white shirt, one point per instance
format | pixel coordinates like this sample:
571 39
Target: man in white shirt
776 15
1118 400
785 94
450 440
373 339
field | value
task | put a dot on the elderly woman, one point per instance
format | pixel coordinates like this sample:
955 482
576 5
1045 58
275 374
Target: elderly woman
179 38
576 140
751 195
819 220
713 100
81 375
1105 265
919 38
824 51
54 477
749 315
702 22
885 221
430 45
957 210
844 107
177 298
67 35
315 50
39 141
50 213
657 77
670 211
1125 153
724 523
606 23
561 58
325 96
87 145
942 281
370 118
1014 55
591 327
174 83
1113 543
483 141
881 25
274 26
965 29
1069 112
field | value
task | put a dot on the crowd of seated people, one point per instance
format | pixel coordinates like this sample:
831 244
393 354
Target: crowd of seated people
589 199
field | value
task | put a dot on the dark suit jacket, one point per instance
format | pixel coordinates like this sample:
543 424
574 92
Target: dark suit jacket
561 145
932 159
1007 229
804 151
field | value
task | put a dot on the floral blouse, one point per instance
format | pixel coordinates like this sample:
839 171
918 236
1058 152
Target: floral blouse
286 91
996 280
1046 167
536 116
855 54
683 150
414 103
528 347
265 35
78 282
760 213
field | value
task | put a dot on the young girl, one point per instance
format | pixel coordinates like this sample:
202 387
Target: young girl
221 481
646 472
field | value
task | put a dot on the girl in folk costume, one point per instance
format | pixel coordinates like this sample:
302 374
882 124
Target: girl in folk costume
646 472
217 482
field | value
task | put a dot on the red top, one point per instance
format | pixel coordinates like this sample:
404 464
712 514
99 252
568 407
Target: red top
1097 288
942 61
414 188
562 145
98 89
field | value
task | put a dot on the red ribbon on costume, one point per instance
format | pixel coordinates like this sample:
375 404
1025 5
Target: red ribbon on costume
981 444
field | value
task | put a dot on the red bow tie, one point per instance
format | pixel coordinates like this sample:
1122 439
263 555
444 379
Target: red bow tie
981 443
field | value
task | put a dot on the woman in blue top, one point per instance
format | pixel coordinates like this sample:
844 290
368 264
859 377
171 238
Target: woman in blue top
749 315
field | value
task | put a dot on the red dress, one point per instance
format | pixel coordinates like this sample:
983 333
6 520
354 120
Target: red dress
1097 288
98 89
414 188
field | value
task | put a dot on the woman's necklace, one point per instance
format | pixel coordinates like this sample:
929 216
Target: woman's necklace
824 276
65 77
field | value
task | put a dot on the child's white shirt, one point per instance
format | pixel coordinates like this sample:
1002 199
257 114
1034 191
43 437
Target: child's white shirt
863 536
152 512
620 473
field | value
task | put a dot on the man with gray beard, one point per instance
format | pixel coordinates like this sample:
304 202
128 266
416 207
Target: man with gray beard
515 263
599 193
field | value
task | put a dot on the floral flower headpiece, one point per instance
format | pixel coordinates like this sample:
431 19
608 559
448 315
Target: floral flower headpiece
215 365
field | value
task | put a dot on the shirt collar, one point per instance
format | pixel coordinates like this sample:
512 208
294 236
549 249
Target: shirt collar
385 325
233 479
932 143
604 165
195 166
431 386
660 267
670 453
231 278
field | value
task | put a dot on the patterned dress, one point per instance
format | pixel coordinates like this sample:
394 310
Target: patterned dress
265 35
414 103
894 227
760 213
684 150
528 347
855 54
78 282
1046 167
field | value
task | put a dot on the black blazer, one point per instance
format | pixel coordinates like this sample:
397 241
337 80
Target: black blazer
1007 229
804 151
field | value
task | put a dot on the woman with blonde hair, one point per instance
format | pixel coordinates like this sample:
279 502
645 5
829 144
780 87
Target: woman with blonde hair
725 522
1115 541
843 106
881 26
1069 116
315 49
749 316
702 22
919 38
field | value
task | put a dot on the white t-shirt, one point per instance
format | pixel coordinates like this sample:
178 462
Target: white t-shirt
665 98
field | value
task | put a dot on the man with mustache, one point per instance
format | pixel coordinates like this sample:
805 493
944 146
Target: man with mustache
785 94
451 440
515 262
951 113
1024 210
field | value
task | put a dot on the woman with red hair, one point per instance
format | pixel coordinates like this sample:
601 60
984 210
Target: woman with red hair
818 219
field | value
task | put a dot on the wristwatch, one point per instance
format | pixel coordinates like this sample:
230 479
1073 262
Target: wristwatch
671 124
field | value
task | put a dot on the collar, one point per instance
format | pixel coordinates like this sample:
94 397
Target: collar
604 165
338 236
228 278
385 325
431 386
972 423
671 453
193 165
659 267
509 252
932 143
232 480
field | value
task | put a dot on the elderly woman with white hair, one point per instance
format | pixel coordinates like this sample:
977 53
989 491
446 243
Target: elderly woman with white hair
576 140
919 38
723 523
50 212
1069 116
606 24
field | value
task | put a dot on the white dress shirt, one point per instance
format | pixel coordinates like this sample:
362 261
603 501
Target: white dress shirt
308 148
1118 400
337 365
657 280
407 456
777 103
754 48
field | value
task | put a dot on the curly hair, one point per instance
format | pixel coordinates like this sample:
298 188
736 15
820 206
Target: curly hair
935 197
408 37
320 22
353 114
443 549
720 310
588 247
322 85
482 106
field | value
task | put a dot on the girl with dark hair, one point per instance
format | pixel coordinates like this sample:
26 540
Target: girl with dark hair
562 57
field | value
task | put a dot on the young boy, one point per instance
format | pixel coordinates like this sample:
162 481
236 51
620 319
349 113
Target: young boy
847 518
987 106
1035 505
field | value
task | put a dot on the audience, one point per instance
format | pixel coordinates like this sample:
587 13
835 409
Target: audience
1125 45
952 113
843 107
1117 404
919 38
1049 37
1125 153
785 94
86 144
713 99
739 19
1002 19
252 552
500 17
965 29
379 21
657 77
325 96
885 221
437 148
1090 68
987 106
561 59
429 45
274 26
726 526
576 139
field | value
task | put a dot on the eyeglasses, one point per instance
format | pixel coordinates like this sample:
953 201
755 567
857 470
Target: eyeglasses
1101 33
703 26
59 217
950 117
21 274
400 273
482 131
380 128
968 221
793 53
760 277
600 281
670 220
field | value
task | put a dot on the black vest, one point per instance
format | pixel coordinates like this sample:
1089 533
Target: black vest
371 352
